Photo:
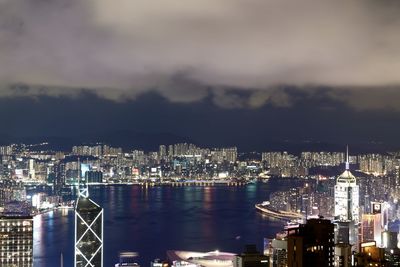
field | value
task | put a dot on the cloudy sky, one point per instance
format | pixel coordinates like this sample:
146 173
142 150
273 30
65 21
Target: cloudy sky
276 69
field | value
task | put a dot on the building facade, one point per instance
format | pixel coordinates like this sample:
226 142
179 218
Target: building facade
89 224
347 198
347 209
311 244
88 233
16 239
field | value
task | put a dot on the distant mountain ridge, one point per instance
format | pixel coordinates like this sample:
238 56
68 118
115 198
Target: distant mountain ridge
128 140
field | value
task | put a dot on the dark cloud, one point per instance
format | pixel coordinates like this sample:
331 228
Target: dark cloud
185 51
313 118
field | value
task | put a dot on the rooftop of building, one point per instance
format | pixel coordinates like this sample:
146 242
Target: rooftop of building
346 177
15 217
86 204
16 209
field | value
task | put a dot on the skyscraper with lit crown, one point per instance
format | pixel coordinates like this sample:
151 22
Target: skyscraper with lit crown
347 200
88 231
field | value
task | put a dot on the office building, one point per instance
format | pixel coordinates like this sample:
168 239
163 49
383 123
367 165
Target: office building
371 229
311 244
162 152
347 203
347 197
371 255
389 239
277 252
94 177
342 255
16 236
342 231
251 258
88 231
381 208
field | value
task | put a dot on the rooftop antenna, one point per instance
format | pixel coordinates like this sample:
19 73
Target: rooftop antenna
347 158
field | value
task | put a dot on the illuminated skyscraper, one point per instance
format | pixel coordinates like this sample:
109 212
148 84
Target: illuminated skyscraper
371 229
347 196
347 201
16 236
88 231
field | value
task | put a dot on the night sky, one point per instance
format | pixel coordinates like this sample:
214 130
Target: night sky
256 74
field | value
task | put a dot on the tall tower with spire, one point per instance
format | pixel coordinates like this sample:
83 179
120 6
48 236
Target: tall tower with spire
347 201
347 195
88 229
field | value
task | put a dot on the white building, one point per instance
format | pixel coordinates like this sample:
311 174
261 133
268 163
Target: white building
88 231
347 203
347 198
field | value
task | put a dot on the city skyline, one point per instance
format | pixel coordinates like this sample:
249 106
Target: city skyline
308 189
230 133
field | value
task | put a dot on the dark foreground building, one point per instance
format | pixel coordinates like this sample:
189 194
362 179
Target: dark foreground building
311 244
251 258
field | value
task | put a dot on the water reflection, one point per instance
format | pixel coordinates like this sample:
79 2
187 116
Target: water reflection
154 219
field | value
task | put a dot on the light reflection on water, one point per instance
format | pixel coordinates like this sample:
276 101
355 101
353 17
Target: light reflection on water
155 219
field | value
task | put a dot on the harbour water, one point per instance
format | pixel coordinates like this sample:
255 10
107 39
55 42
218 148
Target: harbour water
155 219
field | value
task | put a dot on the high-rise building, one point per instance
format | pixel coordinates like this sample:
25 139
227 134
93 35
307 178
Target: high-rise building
251 258
31 168
94 176
6 192
371 255
381 208
88 231
277 251
389 240
311 244
6 150
343 230
87 150
16 236
59 182
392 252
347 202
162 152
170 152
371 229
347 197
343 255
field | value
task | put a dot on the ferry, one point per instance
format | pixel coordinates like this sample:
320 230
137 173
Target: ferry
266 209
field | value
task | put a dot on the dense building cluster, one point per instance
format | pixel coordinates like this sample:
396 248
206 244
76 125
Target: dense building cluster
361 230
345 220
101 163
